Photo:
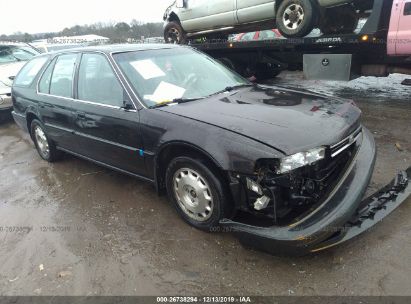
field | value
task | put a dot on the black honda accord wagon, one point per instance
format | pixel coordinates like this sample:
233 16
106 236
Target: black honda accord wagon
284 170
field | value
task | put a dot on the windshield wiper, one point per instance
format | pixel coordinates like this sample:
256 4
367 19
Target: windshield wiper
174 101
232 88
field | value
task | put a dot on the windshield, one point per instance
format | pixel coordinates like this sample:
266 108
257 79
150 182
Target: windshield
9 54
160 76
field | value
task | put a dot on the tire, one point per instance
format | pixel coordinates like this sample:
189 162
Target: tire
296 28
5 116
174 33
341 20
266 71
182 174
40 139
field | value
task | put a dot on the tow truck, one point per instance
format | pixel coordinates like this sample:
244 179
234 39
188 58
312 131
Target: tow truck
381 47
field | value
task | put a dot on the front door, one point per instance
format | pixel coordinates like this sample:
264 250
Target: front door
105 131
255 10
403 43
207 14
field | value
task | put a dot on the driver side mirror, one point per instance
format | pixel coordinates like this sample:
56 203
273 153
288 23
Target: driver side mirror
127 103
127 106
181 3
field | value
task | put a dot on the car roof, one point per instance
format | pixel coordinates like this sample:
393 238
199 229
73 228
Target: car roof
119 48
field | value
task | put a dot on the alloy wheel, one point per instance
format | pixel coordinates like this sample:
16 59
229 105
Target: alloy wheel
174 36
293 16
42 142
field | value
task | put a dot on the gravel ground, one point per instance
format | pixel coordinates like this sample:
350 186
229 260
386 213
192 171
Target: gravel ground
73 228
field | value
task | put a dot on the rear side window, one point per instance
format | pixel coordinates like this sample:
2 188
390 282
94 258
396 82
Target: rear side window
407 9
44 84
27 74
62 77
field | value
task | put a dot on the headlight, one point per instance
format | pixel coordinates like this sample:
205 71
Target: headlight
299 160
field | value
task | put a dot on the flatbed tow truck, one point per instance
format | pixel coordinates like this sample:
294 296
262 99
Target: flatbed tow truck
381 47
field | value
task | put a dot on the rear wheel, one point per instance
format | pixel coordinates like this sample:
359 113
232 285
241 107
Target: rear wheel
45 147
174 33
296 18
196 192
341 20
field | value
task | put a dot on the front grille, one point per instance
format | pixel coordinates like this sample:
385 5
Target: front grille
346 143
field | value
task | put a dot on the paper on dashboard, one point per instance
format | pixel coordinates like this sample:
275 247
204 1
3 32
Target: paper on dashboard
147 69
166 92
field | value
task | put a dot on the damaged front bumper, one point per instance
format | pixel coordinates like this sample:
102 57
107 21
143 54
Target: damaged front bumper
340 218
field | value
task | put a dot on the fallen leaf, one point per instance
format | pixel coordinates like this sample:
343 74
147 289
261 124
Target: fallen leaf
63 274
398 145
41 267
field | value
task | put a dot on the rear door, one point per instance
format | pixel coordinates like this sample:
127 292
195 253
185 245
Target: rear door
56 105
255 10
104 130
403 42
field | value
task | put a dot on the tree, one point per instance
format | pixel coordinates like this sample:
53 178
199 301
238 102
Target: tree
122 31
116 32
27 37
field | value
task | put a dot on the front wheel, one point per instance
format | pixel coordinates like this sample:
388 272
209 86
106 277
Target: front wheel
197 193
174 33
296 18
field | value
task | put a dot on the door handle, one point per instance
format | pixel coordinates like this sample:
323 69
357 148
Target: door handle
81 115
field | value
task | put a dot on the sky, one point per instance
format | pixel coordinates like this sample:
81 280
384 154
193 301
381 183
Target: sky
41 16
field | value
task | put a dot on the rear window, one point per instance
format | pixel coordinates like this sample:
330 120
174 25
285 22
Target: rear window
27 74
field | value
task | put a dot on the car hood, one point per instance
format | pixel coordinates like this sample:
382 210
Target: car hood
287 120
10 70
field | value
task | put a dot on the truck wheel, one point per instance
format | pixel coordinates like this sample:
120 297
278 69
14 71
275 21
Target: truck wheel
196 192
265 71
341 20
174 33
296 18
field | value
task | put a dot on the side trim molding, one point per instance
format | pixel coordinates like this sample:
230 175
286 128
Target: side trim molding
106 165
